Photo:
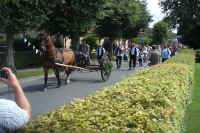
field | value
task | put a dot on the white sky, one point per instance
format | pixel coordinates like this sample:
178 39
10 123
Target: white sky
155 11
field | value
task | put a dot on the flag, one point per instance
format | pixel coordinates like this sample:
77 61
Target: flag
29 44
41 54
25 40
36 51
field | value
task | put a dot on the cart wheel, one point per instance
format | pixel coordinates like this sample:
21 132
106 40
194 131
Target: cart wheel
106 68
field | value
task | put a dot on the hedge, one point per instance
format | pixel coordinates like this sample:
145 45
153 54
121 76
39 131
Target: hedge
153 100
27 59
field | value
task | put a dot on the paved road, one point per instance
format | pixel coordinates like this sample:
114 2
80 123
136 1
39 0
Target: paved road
82 84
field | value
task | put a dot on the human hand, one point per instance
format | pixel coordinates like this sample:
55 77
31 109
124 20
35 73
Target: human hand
11 81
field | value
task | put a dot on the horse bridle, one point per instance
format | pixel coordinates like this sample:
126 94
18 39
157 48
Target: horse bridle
44 42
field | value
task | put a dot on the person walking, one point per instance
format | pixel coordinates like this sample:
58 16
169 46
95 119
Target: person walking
133 53
13 114
100 52
155 56
165 52
119 54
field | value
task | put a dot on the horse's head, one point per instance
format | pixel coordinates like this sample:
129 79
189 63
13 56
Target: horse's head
44 42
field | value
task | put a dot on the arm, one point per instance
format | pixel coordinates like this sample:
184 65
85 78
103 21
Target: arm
21 99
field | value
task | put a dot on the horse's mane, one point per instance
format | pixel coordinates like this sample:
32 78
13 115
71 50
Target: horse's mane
50 41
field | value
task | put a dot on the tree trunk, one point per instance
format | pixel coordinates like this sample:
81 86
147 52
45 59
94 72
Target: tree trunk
9 62
59 40
111 47
75 42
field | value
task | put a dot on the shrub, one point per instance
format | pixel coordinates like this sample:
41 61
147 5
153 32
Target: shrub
151 101
19 44
27 59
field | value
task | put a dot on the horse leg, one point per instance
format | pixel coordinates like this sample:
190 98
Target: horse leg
45 78
67 80
58 78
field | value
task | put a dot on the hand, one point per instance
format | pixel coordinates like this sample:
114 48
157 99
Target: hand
11 81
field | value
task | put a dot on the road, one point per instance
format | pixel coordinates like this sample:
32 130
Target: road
82 84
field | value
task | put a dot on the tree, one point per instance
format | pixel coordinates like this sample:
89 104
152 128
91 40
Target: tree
122 19
17 17
72 18
160 32
138 18
185 15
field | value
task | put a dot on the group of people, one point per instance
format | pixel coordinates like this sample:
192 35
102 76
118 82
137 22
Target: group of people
84 51
140 54
133 53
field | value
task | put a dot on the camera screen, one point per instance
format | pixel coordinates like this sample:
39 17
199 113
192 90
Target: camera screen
3 74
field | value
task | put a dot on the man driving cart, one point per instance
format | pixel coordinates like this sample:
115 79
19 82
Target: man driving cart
84 52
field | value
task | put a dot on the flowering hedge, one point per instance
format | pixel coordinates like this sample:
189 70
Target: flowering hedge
151 101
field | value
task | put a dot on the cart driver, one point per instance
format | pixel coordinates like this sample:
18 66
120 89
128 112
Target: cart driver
84 51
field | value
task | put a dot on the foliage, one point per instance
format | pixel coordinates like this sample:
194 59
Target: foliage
19 16
182 59
107 66
27 59
185 15
160 32
122 19
135 105
147 41
92 41
72 18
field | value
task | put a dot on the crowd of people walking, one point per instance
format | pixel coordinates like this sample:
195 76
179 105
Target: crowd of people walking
133 53
141 55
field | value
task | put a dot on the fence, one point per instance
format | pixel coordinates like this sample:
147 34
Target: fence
3 50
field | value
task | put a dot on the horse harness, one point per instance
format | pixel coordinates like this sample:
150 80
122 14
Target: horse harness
56 59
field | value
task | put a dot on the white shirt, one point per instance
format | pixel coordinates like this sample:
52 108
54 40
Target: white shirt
12 117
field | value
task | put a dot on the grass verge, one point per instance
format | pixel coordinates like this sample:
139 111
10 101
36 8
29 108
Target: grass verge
192 118
32 73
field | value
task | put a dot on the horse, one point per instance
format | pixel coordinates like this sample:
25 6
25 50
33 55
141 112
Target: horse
54 55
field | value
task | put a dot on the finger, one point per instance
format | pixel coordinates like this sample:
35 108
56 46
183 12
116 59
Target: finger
7 69
4 80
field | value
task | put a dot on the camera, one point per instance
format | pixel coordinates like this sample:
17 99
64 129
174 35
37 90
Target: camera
3 74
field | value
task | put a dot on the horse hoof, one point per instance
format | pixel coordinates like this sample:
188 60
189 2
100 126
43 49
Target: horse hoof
45 89
58 86
68 81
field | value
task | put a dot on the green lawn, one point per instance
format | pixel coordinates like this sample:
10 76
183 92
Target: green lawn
192 118
33 73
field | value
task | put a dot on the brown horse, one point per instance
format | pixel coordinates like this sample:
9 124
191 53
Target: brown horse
53 55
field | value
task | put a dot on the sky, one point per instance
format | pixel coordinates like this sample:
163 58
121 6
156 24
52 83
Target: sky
155 11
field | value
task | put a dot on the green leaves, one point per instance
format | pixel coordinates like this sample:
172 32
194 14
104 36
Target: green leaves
160 32
122 19
184 15
151 101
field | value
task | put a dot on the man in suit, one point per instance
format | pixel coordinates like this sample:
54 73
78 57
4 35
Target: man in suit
119 53
133 52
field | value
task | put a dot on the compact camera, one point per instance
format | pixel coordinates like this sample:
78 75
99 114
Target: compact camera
3 74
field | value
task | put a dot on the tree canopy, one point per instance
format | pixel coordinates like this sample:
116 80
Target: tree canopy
186 16
19 16
160 32
123 19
